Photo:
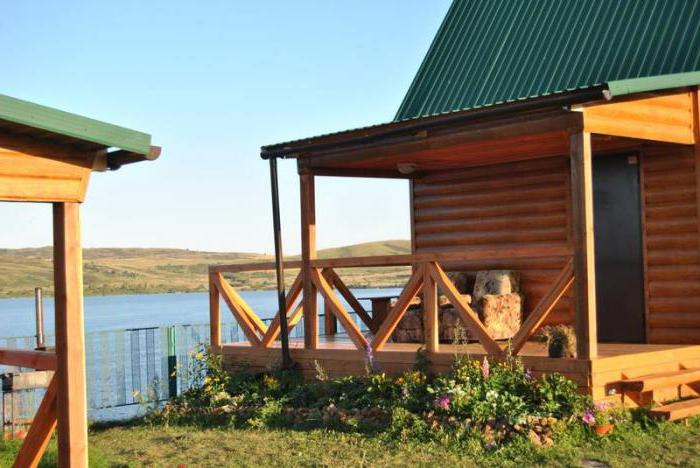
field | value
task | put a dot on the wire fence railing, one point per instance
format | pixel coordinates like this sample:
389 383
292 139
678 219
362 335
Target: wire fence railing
129 367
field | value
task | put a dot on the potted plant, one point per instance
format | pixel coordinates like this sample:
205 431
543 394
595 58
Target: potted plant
601 418
560 340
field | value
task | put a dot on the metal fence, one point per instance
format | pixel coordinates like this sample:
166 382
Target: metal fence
129 367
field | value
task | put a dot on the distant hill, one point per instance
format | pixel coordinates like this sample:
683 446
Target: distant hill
137 270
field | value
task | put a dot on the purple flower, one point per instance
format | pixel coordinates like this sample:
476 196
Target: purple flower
443 402
485 368
528 374
601 406
588 418
369 354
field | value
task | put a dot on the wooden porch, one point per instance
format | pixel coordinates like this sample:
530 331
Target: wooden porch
509 188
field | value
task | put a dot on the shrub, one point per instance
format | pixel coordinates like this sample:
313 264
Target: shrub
490 402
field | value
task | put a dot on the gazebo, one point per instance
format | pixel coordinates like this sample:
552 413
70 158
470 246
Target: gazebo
47 156
568 154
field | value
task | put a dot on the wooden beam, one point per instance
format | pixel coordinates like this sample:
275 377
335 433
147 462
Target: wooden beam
583 243
39 360
274 329
231 297
378 174
344 291
308 253
70 337
539 314
464 254
397 312
339 311
451 136
39 435
466 313
214 315
430 313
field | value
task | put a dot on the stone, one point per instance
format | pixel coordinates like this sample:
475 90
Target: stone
410 327
462 281
495 282
502 314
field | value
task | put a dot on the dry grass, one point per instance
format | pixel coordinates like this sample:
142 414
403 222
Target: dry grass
134 271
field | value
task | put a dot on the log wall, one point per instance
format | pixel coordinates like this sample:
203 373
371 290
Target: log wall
672 244
525 204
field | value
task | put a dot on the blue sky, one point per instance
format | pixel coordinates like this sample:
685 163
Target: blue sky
212 82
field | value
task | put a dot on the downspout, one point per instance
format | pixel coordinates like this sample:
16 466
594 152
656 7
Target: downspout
279 265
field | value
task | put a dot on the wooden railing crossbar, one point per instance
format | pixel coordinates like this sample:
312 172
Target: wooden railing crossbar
540 313
397 312
41 430
469 318
427 277
338 310
233 300
39 360
467 254
273 331
344 291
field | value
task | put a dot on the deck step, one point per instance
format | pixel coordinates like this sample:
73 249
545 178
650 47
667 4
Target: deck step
650 382
678 410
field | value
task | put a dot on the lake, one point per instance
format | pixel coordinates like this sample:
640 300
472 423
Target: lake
142 310
126 340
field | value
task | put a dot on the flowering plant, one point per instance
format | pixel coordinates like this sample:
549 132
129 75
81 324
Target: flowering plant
600 414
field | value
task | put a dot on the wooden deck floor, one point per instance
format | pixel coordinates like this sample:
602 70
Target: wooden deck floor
532 349
338 356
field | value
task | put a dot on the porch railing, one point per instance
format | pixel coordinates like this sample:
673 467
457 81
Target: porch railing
428 277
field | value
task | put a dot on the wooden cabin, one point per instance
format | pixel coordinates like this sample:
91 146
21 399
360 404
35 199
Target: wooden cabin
48 156
570 155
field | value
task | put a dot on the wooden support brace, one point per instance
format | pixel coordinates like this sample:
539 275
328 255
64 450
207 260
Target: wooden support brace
244 320
39 435
397 312
344 291
561 284
339 311
273 330
466 313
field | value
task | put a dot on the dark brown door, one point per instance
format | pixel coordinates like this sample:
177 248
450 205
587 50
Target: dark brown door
618 248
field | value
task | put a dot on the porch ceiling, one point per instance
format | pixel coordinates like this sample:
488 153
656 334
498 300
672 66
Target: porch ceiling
527 136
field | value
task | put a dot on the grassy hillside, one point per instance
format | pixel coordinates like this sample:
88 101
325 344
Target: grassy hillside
132 271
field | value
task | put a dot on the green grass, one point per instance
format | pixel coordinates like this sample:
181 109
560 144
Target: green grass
136 271
668 444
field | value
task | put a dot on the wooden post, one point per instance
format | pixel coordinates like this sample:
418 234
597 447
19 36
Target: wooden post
430 309
308 252
583 244
214 315
70 337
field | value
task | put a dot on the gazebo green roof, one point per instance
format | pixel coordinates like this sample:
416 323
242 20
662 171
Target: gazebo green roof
489 52
35 116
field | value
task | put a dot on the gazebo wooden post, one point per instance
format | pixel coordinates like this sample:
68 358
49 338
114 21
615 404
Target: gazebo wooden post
70 337
308 252
583 243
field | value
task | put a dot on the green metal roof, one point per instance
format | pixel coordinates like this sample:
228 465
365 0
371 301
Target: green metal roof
74 126
493 51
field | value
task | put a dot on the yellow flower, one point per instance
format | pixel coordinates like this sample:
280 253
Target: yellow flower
199 356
